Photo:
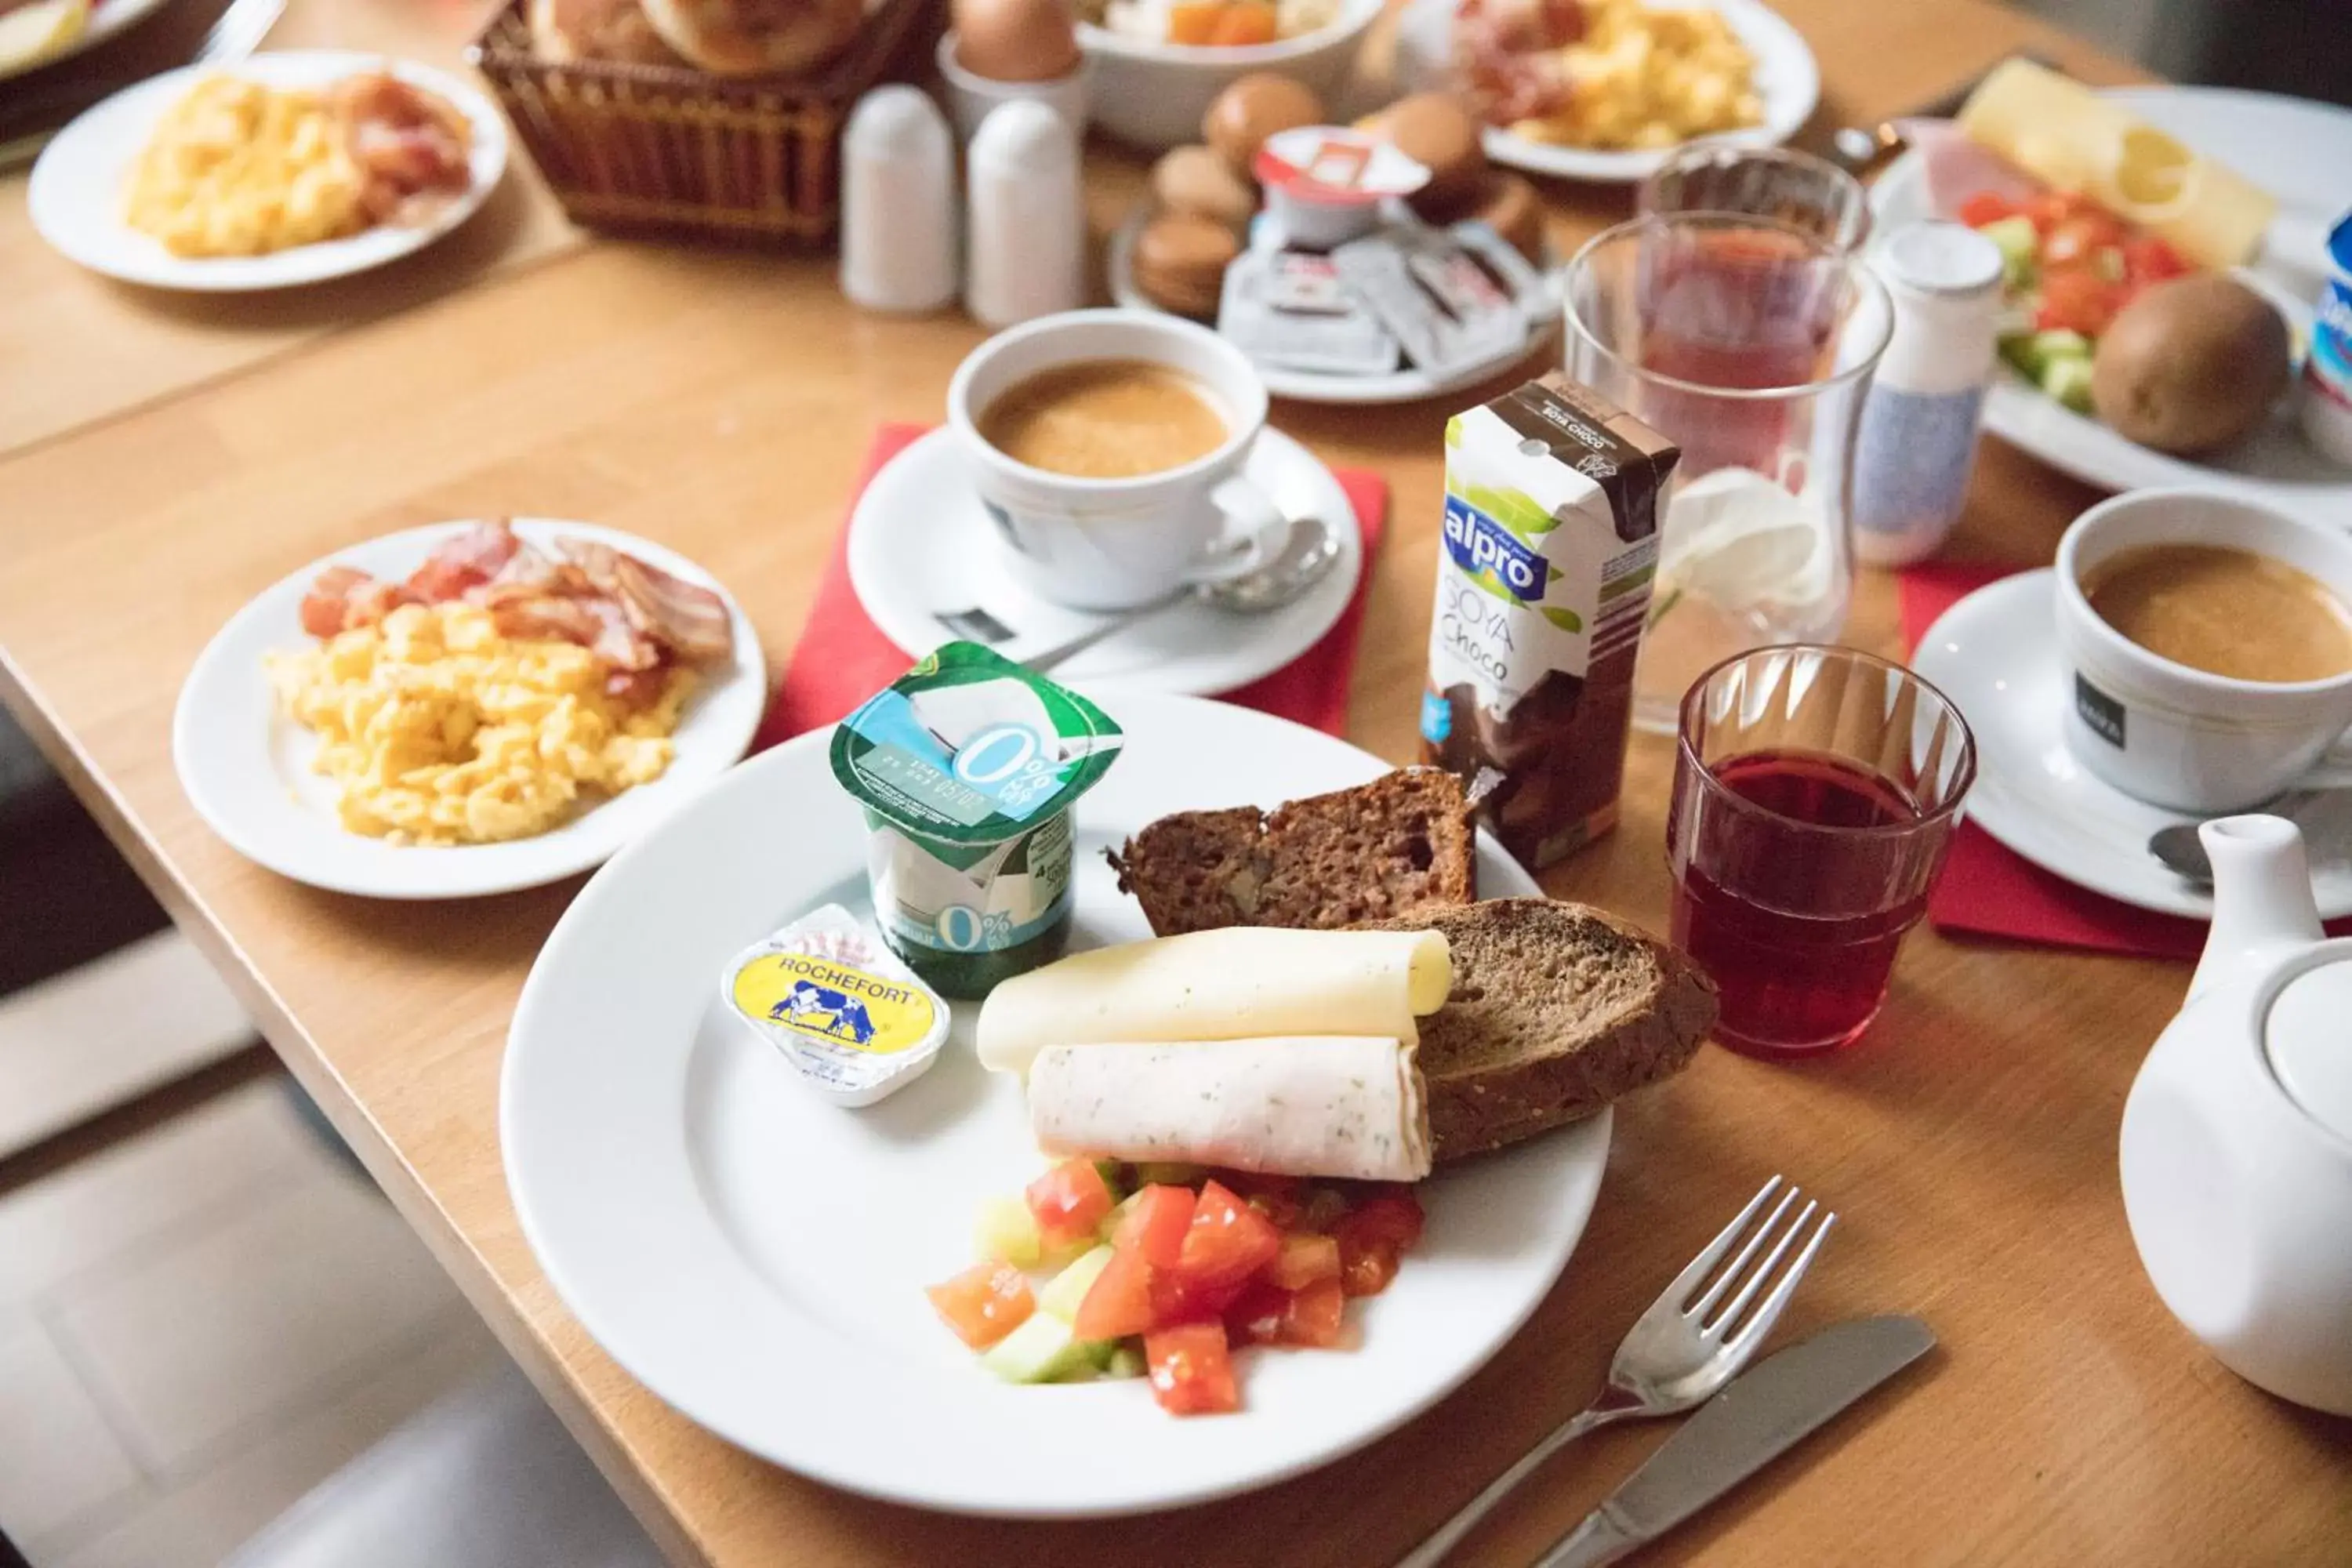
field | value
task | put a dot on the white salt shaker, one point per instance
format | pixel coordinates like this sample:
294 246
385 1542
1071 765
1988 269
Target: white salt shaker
898 203
1025 218
1918 437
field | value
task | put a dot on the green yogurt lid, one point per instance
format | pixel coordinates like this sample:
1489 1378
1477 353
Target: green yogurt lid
969 747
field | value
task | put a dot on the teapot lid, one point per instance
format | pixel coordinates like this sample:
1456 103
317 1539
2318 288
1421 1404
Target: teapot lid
2309 1036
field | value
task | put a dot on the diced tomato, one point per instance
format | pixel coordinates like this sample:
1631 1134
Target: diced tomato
1305 1258
2147 259
2079 300
1392 1212
1312 1317
1255 1317
1228 1240
1986 206
1372 1237
984 1303
1365 1267
1324 1207
1069 1202
2079 239
1193 23
1178 1300
2052 208
1191 1370
1155 1224
1119 1303
1284 1209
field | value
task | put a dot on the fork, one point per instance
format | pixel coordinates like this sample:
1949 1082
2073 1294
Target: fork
1679 1352
234 34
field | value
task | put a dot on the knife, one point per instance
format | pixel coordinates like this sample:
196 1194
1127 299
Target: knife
1763 1413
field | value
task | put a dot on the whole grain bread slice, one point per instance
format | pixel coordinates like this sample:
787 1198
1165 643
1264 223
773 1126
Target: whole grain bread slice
1398 845
1557 1010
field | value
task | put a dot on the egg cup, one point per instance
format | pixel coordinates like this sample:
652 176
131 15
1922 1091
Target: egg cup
970 97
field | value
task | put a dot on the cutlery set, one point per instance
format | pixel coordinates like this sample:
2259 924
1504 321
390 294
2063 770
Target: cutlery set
1688 1352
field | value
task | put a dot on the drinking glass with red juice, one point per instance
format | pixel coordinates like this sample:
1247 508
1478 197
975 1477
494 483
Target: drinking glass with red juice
1816 792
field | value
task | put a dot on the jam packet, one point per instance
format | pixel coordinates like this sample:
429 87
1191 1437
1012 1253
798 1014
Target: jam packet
1290 307
851 1018
1453 298
967 766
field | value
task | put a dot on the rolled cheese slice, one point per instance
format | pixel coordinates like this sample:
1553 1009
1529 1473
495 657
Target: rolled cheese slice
1235 984
1324 1105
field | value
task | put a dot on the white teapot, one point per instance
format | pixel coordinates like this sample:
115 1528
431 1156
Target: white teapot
2237 1138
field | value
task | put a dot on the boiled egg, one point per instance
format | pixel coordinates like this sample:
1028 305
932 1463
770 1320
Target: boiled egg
1016 41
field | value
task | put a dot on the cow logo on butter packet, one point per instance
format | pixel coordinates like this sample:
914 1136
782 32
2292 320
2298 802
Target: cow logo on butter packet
836 1004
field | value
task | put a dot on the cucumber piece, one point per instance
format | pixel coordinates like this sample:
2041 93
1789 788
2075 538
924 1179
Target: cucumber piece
2019 352
1124 1360
1007 1231
2057 343
1062 1294
1109 1226
2069 381
2020 244
1042 1349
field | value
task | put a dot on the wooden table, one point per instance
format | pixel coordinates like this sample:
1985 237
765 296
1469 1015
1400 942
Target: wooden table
720 403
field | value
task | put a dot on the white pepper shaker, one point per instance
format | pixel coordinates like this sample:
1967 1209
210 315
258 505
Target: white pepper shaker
1026 216
898 203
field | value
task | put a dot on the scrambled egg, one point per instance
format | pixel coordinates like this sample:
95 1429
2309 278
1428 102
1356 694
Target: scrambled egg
1645 78
236 168
442 732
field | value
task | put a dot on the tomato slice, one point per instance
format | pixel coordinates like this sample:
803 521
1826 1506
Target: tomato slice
1393 1214
1069 1202
2080 237
1373 1237
984 1303
1176 1298
1155 1224
1987 206
1305 1258
1191 1370
1228 1240
1255 1317
2052 208
1119 1303
2147 259
2077 300
1312 1317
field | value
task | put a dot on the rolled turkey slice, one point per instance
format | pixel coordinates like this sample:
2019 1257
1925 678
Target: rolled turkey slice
1241 983
1347 1105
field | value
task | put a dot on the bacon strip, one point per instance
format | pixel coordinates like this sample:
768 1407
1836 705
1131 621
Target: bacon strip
467 561
685 617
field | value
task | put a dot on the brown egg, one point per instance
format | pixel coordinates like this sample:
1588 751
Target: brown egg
1195 180
1179 262
1016 41
1434 129
1254 107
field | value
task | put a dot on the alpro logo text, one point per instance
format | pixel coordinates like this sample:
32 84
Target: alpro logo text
1483 547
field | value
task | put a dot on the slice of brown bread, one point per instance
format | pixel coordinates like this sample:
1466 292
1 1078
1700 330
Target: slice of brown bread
1557 1009
1397 845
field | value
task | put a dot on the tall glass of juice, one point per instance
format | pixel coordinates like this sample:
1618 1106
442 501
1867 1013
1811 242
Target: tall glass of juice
1816 792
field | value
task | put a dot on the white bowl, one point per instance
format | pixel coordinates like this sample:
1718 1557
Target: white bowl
1152 95
970 97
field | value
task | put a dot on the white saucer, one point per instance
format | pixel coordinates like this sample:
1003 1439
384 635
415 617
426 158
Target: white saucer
1995 654
920 543
1406 385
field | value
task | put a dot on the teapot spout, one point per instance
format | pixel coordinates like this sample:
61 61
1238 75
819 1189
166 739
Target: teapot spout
2262 903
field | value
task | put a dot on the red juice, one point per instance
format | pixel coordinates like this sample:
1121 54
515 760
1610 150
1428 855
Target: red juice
1797 928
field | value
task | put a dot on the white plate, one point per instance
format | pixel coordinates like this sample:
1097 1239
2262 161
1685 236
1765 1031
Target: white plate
919 543
107 18
757 1257
76 194
1995 655
247 770
1406 385
1788 79
2295 150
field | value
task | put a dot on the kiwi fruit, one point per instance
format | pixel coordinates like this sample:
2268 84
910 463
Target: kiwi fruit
2192 365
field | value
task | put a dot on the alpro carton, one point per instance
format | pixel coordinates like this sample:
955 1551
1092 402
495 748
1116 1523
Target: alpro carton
1543 586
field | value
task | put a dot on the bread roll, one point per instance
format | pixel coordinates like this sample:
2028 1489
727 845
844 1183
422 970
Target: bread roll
614 30
756 37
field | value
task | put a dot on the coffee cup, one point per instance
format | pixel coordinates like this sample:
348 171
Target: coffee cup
2177 733
1117 544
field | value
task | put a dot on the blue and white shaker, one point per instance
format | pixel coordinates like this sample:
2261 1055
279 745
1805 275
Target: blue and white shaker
1917 441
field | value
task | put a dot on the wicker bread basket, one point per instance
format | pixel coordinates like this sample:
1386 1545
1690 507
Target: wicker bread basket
671 152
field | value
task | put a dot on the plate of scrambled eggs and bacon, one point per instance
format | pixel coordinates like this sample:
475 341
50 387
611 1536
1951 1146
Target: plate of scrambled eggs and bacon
284 169
467 708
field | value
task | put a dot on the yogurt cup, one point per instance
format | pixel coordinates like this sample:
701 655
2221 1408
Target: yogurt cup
1325 184
2327 370
967 767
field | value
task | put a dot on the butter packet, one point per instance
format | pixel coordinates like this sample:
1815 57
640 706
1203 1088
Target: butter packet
1289 308
1451 299
829 994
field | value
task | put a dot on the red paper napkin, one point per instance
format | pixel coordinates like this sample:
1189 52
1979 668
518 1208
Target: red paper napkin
1991 890
842 660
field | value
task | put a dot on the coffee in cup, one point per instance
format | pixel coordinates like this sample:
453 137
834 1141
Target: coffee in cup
1104 419
2206 649
2224 610
1107 447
